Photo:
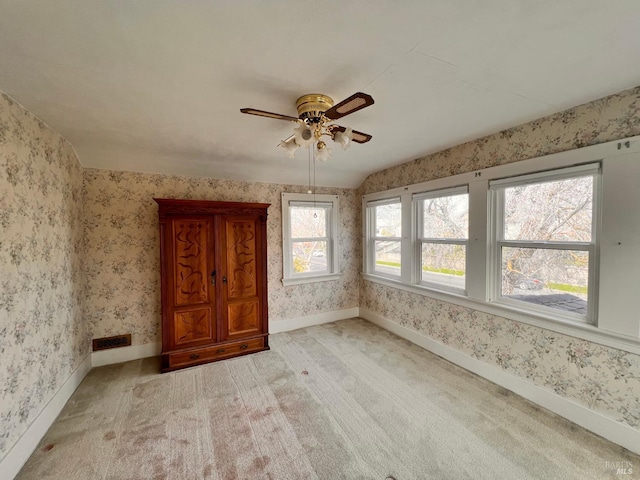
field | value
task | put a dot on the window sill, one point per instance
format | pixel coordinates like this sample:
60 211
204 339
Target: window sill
572 328
317 278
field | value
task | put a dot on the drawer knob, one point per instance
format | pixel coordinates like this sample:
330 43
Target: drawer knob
244 346
221 350
193 356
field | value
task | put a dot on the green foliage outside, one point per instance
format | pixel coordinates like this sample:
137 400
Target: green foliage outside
568 288
389 264
300 265
448 271
553 286
425 268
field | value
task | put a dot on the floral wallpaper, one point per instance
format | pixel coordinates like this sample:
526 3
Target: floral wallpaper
79 259
601 378
43 336
122 249
604 120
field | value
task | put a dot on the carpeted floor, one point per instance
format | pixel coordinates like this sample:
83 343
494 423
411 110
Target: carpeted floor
341 400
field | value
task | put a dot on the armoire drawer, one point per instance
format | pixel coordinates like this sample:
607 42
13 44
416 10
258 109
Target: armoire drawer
218 352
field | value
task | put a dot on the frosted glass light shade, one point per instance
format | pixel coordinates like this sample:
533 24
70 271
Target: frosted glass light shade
303 135
344 138
290 146
323 154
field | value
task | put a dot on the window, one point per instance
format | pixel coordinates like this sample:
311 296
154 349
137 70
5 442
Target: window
309 232
544 241
442 233
549 241
385 237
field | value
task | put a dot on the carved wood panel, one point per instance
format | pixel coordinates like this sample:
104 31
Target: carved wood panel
243 318
241 258
193 326
191 274
203 321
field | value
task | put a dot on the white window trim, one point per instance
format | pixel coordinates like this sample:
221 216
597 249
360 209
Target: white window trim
372 238
618 324
496 196
419 240
332 254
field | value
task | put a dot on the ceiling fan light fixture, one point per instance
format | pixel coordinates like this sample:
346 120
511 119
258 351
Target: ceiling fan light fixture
316 114
323 153
303 135
290 146
344 139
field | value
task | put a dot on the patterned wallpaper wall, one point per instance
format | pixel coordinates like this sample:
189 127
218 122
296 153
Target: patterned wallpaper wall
610 118
43 336
55 217
122 249
603 379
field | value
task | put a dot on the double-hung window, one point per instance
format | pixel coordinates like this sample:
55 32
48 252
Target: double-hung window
549 241
442 235
310 233
384 220
544 241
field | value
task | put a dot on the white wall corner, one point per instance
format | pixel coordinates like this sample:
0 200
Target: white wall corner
595 422
125 354
285 325
18 455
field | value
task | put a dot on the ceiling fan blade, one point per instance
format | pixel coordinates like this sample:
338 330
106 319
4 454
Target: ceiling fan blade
355 102
286 140
358 137
262 113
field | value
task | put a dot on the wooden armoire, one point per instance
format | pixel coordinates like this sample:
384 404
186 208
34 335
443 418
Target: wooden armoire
213 259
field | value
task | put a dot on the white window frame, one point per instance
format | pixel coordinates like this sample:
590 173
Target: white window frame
498 242
331 205
373 238
419 239
613 319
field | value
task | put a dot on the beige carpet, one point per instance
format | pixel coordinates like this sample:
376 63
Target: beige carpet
342 400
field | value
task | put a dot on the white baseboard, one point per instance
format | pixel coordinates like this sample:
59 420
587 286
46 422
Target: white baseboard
278 326
124 354
18 455
597 423
134 352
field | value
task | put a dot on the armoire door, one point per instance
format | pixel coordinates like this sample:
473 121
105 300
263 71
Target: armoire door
191 302
242 263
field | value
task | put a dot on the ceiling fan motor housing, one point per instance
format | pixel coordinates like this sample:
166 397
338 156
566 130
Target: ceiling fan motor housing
312 106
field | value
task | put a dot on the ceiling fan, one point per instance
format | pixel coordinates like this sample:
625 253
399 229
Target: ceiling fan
316 114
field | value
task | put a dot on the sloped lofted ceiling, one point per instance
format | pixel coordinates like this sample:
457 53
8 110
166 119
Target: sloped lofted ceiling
156 85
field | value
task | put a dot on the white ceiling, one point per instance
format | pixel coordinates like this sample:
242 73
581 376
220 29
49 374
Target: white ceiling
157 85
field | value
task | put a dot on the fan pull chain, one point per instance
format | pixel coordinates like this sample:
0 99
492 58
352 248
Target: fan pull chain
315 214
309 189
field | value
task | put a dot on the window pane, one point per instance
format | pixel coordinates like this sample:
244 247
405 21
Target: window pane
444 264
446 217
553 278
387 257
309 257
551 211
388 220
308 222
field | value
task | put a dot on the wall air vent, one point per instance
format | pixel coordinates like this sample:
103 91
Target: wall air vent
111 342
